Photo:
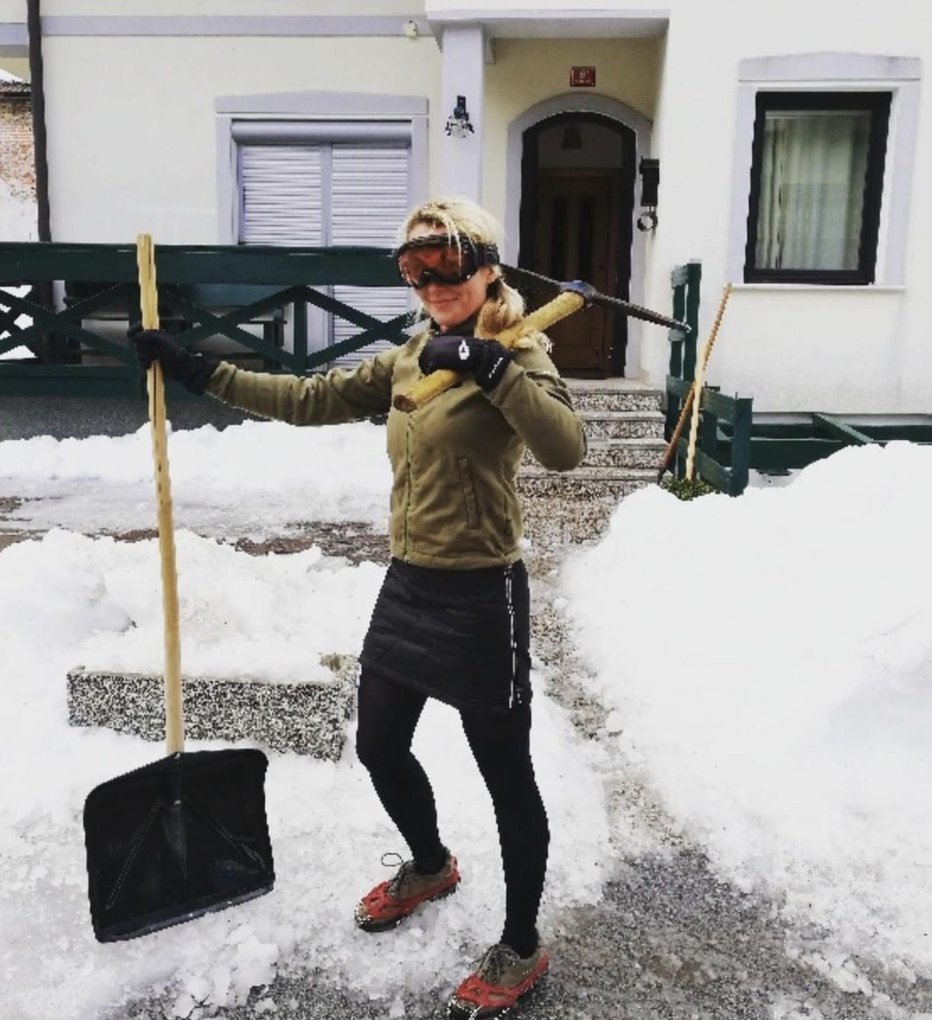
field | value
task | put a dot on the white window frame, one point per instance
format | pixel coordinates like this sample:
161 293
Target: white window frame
833 72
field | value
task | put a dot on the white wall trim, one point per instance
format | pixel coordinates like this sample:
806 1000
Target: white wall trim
567 23
14 39
833 72
319 107
339 105
829 67
462 74
581 102
232 25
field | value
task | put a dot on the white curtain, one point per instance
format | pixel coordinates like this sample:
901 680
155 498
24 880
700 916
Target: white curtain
811 203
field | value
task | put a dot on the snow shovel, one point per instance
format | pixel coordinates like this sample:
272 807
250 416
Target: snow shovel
187 834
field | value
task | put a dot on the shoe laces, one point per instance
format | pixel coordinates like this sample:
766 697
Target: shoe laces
405 869
495 962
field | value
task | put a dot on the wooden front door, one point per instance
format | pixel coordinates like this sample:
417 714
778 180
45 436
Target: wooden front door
576 238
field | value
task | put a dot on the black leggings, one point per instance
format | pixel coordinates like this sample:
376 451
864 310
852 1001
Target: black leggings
500 743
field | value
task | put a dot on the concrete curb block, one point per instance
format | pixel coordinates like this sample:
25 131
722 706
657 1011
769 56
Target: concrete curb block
306 718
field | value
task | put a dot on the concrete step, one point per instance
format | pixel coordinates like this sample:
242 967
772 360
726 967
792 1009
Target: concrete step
622 424
589 397
561 509
306 718
582 484
614 454
624 453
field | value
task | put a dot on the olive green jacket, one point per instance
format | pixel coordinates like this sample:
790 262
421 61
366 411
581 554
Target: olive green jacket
454 461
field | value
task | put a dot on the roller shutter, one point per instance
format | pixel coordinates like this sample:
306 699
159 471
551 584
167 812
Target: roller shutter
369 201
281 195
319 192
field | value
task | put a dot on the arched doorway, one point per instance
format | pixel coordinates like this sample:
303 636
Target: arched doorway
576 218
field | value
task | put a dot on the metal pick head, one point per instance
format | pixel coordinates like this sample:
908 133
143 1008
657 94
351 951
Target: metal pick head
585 290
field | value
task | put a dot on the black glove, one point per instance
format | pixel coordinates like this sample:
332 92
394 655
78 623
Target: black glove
486 359
193 371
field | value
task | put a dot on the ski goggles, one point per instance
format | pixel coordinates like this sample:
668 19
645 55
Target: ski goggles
440 259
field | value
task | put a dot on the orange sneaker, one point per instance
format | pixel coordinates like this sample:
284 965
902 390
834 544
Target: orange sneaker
501 978
389 903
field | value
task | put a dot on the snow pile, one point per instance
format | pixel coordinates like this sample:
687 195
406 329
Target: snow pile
769 660
253 479
68 599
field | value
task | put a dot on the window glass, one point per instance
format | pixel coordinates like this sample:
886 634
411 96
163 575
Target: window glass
816 186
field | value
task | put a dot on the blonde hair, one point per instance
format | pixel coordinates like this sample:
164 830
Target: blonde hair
461 217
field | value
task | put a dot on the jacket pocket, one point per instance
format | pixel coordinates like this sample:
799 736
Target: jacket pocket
468 487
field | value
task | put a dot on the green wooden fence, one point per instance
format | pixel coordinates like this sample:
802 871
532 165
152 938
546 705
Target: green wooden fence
77 340
789 442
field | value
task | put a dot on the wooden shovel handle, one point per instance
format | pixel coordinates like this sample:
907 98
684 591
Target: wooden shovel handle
438 382
174 715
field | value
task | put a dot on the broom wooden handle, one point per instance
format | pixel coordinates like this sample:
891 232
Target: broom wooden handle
438 382
670 451
698 383
174 714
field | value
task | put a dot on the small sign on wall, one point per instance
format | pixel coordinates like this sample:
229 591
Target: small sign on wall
582 77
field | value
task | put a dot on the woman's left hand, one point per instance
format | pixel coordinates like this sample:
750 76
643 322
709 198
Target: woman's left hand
485 359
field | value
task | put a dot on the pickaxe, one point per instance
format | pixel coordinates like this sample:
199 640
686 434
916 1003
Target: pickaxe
570 297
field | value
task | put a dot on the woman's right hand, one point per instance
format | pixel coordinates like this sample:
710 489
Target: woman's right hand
193 371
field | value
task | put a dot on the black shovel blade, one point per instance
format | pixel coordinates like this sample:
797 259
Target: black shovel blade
175 839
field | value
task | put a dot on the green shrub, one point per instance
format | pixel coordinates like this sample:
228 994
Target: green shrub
687 488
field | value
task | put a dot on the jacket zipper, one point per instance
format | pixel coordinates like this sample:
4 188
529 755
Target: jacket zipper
509 603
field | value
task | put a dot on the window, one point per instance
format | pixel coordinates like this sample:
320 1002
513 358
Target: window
327 184
816 186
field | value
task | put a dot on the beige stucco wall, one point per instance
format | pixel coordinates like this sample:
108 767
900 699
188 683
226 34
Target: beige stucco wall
150 164
170 8
526 72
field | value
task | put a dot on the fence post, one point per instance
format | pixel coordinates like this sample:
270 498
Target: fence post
693 278
708 426
300 334
740 446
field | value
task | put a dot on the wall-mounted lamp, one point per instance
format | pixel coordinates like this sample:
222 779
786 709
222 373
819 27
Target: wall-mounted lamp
458 123
649 170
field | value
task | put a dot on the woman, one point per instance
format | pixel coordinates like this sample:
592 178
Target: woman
452 619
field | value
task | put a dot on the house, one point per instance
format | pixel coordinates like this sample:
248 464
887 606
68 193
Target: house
786 147
17 166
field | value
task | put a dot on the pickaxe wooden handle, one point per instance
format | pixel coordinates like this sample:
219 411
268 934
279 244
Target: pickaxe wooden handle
570 298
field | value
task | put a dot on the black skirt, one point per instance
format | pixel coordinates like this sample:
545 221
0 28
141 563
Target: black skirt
461 636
